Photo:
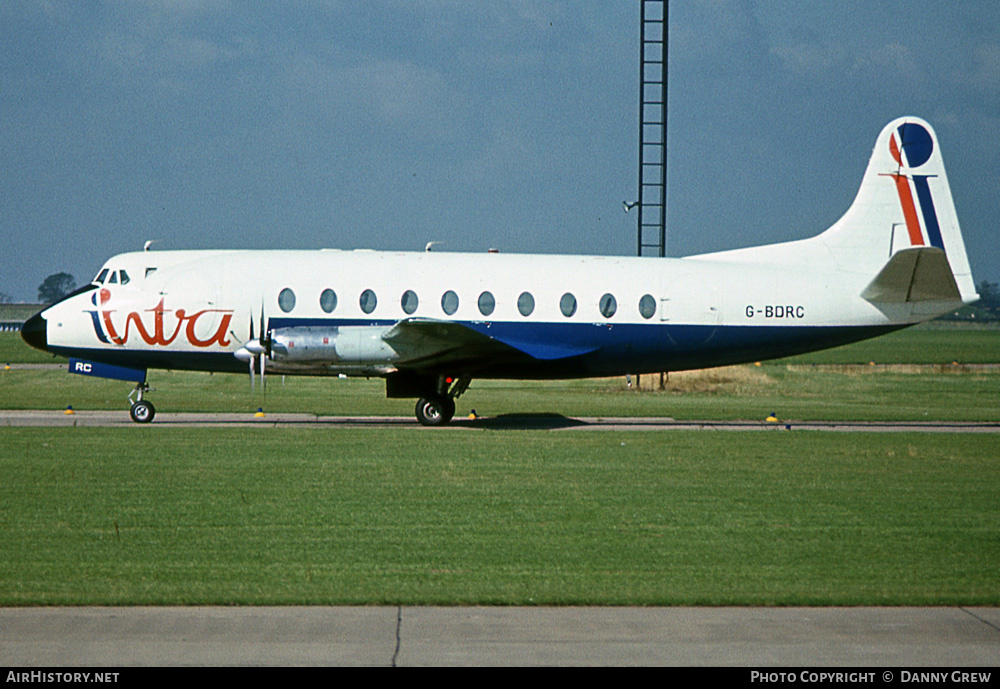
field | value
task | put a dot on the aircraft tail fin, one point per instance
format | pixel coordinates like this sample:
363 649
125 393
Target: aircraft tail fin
902 226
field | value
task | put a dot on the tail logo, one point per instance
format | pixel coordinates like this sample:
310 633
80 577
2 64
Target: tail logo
911 146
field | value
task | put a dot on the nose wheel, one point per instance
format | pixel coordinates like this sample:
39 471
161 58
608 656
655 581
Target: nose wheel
141 411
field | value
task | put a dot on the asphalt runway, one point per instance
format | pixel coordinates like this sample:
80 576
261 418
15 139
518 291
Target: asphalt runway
553 422
505 636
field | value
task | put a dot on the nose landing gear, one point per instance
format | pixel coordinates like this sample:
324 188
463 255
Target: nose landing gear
141 411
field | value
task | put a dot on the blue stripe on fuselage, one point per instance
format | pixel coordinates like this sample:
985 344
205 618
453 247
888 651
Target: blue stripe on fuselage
636 347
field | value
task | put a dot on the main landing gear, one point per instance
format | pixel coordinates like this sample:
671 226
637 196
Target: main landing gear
435 410
438 407
142 411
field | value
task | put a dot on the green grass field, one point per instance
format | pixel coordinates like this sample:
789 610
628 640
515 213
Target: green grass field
327 515
339 516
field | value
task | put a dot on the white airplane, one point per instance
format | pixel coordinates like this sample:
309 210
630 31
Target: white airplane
430 322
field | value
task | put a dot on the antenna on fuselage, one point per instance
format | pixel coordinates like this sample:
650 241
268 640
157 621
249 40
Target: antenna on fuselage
431 245
148 244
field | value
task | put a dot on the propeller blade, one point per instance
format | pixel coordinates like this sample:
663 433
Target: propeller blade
265 345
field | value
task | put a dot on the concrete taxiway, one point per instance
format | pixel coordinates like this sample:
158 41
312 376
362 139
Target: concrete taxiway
552 422
413 636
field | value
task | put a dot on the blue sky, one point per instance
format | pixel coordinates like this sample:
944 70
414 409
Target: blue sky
508 124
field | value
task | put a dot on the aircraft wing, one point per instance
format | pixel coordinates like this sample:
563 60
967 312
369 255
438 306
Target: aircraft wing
425 343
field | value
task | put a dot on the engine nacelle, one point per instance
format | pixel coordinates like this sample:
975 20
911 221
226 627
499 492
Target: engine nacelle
354 344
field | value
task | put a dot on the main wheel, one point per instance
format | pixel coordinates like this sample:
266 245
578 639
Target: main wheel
435 410
142 411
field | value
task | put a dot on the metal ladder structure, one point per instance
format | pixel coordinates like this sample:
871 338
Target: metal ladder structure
652 202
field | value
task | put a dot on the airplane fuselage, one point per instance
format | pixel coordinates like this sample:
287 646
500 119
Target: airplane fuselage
430 322
574 316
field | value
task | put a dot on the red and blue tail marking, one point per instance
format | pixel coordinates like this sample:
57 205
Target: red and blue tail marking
911 146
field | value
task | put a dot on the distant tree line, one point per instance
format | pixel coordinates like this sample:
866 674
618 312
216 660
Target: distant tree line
989 295
55 287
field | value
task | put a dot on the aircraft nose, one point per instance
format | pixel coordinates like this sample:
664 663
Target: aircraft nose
34 332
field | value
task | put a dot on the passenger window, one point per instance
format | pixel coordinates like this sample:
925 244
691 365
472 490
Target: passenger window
487 303
449 302
410 301
286 300
101 276
608 306
368 301
328 300
567 305
525 303
647 306
125 277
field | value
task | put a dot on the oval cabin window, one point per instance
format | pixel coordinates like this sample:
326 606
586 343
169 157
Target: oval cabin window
368 301
567 305
608 305
525 303
409 301
328 300
647 306
487 303
449 302
286 300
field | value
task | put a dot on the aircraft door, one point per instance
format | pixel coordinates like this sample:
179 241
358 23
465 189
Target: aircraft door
691 308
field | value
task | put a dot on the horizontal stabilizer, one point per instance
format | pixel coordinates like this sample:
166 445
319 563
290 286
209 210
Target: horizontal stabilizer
913 275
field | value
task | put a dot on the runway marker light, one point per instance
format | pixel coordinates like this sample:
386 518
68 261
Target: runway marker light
772 418
260 413
69 409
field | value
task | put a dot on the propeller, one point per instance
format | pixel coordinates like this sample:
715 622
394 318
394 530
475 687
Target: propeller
253 348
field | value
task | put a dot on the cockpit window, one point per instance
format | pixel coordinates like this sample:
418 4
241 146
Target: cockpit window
113 280
124 277
101 276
